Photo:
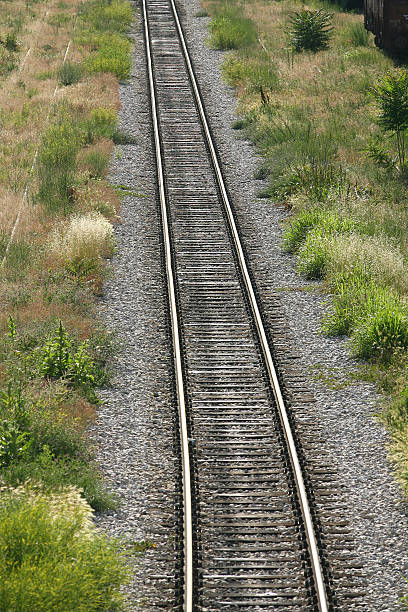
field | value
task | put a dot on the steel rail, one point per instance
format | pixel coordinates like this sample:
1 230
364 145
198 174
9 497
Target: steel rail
294 458
176 337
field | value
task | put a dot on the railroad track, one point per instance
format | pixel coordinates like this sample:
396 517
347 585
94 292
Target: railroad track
250 534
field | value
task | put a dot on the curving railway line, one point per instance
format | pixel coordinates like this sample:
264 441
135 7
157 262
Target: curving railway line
250 530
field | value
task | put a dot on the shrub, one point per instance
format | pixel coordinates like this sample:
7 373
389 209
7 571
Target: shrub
51 556
69 73
229 30
85 237
391 97
310 30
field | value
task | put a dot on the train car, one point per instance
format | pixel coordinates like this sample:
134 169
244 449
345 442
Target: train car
388 20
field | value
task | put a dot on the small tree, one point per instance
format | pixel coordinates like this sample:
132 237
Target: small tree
391 96
309 30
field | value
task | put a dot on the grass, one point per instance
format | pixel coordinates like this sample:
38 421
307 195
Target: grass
53 352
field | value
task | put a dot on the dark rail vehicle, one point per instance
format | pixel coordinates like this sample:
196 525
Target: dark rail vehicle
388 20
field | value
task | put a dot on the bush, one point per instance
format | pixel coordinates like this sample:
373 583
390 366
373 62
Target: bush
310 30
52 557
69 73
391 97
229 30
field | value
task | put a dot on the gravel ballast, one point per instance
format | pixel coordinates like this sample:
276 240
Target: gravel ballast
134 431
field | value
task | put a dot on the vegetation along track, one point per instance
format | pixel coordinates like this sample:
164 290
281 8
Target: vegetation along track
255 532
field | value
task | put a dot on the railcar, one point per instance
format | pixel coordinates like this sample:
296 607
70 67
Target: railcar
388 20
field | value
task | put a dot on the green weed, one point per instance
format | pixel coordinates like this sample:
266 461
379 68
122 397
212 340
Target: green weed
356 298
329 222
101 123
313 254
120 137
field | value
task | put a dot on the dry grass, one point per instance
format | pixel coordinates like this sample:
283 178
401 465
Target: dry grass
84 237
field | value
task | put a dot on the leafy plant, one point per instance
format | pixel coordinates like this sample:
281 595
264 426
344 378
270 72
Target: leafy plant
391 97
11 43
310 30
14 444
101 123
58 358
